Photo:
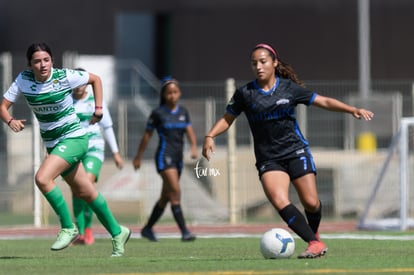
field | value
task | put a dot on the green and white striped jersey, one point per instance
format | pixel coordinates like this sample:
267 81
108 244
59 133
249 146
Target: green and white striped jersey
85 108
51 102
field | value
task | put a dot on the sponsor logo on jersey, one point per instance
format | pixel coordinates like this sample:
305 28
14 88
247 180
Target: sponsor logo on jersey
282 101
299 152
47 109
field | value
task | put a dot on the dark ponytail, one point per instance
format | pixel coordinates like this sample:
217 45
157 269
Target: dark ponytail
286 71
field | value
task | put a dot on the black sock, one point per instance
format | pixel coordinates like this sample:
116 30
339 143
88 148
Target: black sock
297 222
314 219
156 213
179 217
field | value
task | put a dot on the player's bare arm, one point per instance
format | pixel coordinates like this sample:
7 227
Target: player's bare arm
219 127
335 105
136 162
16 125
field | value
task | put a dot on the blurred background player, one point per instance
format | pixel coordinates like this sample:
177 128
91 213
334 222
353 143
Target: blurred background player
171 121
282 152
47 91
84 103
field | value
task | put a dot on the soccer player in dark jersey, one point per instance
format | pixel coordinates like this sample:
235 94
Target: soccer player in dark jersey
171 121
282 153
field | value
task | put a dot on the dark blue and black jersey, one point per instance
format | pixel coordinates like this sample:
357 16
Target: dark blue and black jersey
271 117
171 127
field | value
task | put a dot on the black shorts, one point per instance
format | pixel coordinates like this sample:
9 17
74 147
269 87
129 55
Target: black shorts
163 162
295 166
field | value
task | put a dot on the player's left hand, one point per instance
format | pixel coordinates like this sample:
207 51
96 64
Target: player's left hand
119 162
96 117
194 153
136 162
362 113
208 147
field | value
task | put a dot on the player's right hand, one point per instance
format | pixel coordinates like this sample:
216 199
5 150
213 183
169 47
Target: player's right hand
136 162
17 125
208 147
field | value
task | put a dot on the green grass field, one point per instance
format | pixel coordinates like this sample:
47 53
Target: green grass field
210 256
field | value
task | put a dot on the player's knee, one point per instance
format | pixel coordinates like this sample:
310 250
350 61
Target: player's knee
312 204
174 198
42 182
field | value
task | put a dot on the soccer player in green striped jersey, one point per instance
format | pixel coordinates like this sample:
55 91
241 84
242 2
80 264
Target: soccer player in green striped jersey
48 92
98 133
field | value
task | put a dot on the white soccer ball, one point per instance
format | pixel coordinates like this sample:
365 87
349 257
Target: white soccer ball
277 243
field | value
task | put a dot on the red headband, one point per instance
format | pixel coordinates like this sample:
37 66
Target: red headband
267 47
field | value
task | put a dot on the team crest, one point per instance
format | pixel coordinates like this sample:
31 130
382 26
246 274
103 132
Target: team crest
56 85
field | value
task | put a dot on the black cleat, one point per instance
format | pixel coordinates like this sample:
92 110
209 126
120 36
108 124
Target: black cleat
188 237
147 233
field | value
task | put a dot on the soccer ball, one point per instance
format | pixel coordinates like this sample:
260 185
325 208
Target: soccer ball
277 243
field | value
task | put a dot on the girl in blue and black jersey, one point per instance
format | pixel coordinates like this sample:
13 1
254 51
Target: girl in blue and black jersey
282 152
171 121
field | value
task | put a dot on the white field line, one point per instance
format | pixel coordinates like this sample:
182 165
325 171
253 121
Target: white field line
350 236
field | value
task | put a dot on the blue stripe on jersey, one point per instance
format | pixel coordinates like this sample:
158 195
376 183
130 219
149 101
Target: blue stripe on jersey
312 99
311 158
163 143
180 167
168 110
298 132
260 90
277 114
230 111
177 125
